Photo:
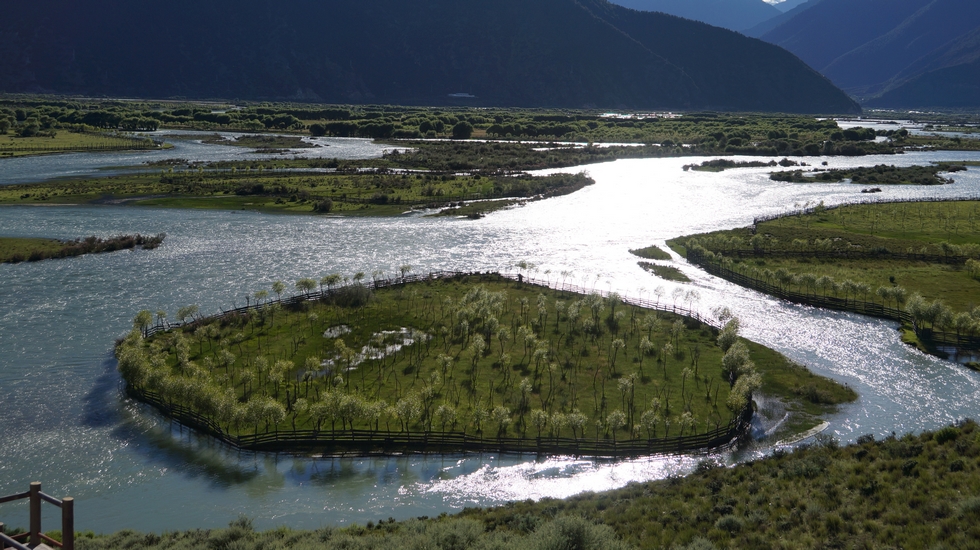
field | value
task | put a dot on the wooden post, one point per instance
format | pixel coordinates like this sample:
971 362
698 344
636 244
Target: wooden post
2 544
68 523
35 513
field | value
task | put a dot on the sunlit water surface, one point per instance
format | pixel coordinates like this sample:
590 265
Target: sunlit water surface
66 422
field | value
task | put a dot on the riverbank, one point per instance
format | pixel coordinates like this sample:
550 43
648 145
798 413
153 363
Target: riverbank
914 262
15 250
462 362
899 492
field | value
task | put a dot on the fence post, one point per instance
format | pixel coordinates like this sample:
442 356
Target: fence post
2 544
35 496
68 523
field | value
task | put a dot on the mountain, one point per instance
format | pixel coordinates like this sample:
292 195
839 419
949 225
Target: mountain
729 14
871 48
521 53
772 23
788 5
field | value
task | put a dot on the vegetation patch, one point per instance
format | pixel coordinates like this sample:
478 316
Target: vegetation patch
14 250
380 193
881 174
261 141
665 272
916 262
901 492
652 252
720 165
478 356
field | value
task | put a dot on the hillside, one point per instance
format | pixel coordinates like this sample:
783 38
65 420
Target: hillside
875 47
730 14
558 53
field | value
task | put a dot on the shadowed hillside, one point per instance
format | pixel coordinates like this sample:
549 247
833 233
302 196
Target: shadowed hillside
503 52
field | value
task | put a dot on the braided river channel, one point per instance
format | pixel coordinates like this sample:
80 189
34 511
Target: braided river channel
65 420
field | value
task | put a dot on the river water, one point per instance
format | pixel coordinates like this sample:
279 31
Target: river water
65 421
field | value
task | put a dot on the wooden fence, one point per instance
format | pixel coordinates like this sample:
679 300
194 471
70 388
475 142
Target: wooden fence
34 535
381 283
382 442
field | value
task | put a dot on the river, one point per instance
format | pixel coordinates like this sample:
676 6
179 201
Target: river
66 422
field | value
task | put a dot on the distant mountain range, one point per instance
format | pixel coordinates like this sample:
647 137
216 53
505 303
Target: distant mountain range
730 14
522 53
888 53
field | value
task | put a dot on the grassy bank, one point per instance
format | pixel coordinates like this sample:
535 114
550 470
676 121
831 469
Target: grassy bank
14 250
900 492
920 258
66 142
291 192
477 355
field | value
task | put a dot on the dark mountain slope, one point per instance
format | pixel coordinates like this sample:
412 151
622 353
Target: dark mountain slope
868 69
832 28
951 87
772 23
730 14
733 57
869 47
506 52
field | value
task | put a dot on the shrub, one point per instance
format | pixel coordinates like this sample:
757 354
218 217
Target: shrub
729 523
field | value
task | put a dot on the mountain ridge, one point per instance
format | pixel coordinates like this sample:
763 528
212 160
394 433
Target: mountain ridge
547 53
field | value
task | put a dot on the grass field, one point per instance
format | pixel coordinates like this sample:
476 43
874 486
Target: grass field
64 141
19 249
920 256
477 354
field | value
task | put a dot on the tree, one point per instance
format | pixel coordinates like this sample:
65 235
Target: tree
306 286
615 421
501 417
143 320
186 311
462 130
279 287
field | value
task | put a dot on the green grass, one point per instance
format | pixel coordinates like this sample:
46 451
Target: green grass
652 252
667 272
64 141
339 193
877 175
20 249
899 492
554 363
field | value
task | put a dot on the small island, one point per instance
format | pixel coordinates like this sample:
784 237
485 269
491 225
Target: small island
14 250
460 362
881 174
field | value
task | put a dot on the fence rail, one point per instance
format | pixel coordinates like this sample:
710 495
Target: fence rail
382 442
34 535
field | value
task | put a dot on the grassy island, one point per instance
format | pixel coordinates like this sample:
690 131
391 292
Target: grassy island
14 250
348 192
876 175
913 491
917 262
456 363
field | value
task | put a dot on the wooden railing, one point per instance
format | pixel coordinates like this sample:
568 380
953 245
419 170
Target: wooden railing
814 208
34 535
382 442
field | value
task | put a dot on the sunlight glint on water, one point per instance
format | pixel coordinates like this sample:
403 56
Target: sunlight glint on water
66 423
